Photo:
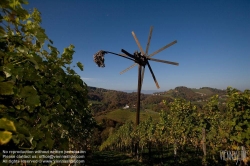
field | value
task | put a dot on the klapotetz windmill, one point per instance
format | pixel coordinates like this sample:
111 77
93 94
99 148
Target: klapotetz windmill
141 59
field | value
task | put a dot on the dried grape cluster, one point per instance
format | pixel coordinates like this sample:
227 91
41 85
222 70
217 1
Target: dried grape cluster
99 58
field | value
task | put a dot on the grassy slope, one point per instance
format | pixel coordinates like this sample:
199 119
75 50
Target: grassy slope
205 91
121 115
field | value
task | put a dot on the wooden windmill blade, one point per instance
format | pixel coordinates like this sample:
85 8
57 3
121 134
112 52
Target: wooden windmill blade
142 74
137 42
149 39
156 52
130 67
139 45
163 48
151 71
146 54
163 61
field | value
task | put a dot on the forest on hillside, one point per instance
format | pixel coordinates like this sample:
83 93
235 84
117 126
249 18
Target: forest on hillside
104 100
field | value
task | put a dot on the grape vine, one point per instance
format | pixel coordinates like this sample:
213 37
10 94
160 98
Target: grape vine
210 129
43 102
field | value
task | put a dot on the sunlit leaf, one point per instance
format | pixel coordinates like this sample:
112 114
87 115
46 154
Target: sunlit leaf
18 107
7 72
7 125
5 137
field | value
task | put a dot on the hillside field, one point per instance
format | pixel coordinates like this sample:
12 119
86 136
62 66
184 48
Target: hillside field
124 115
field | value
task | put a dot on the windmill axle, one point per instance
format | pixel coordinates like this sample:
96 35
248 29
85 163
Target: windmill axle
140 59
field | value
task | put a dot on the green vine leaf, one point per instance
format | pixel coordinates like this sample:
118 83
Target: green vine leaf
5 137
8 125
6 88
39 79
33 100
80 65
28 91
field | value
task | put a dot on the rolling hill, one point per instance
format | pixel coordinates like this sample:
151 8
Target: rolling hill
109 112
104 100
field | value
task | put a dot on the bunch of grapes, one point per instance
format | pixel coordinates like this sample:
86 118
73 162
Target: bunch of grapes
99 58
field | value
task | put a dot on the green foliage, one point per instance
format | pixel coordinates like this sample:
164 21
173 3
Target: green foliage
8 127
182 125
239 111
42 99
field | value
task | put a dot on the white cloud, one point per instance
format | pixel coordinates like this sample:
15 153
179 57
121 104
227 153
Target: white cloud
87 79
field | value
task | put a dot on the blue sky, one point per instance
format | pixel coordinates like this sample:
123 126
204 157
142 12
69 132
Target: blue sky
213 40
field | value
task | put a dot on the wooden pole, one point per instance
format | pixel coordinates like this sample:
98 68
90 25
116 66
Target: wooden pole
138 96
138 109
